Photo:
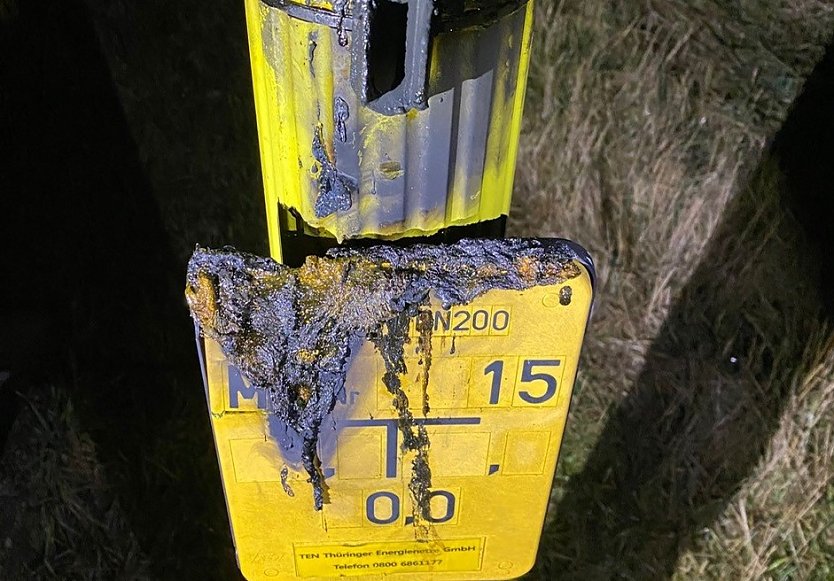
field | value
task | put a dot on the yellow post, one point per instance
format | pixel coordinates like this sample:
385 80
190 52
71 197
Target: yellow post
400 172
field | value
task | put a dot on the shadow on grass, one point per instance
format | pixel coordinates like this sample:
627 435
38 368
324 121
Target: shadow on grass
716 379
84 254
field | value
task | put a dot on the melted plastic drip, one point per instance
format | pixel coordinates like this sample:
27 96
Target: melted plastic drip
390 344
290 330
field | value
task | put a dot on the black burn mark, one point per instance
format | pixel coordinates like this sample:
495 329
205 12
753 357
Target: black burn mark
312 44
565 296
285 473
341 113
390 344
340 7
290 330
335 188
423 325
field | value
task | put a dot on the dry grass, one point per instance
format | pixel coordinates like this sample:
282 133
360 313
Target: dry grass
646 134
781 524
59 517
641 122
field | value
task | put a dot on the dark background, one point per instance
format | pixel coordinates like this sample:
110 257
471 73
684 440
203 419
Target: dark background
91 298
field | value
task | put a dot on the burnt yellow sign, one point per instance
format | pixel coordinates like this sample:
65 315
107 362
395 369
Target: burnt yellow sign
502 372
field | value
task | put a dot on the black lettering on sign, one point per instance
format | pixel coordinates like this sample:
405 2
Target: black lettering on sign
376 503
532 371
442 321
371 508
446 322
500 320
480 320
463 325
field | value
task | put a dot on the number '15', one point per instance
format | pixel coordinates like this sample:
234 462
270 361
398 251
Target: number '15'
529 374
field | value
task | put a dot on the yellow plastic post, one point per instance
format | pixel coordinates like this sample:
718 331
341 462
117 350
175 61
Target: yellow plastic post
412 173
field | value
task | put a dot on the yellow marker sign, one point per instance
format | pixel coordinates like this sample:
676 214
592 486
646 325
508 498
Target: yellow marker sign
502 374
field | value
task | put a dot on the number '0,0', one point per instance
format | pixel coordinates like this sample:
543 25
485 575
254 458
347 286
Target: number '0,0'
377 500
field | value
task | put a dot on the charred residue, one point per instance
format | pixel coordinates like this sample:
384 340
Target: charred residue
341 113
423 325
290 330
336 189
390 342
391 170
340 7
285 473
565 296
312 44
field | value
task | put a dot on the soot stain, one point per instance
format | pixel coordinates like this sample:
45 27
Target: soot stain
312 44
340 7
341 113
423 325
291 331
336 189
565 296
285 473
